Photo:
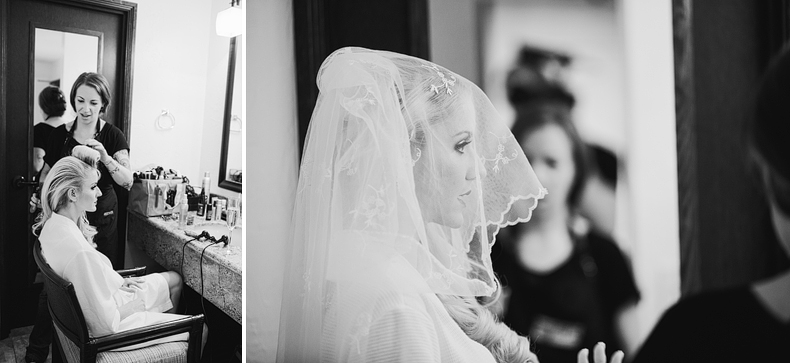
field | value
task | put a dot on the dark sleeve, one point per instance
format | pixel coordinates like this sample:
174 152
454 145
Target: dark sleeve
114 140
54 145
40 134
666 342
616 277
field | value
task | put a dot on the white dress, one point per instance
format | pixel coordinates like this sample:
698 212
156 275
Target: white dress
97 285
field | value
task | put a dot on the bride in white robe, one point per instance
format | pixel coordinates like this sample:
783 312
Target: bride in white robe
109 302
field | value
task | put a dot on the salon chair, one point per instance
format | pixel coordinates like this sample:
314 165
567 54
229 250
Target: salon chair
75 345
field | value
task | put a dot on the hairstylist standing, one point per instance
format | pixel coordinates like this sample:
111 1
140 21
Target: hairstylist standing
90 97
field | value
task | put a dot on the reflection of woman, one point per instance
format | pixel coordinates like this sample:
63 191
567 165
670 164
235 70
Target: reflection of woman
748 323
407 176
109 302
53 105
90 97
567 290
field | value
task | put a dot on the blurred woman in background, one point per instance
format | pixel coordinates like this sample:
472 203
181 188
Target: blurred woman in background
566 287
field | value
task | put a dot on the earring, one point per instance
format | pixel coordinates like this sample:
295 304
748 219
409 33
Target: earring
419 153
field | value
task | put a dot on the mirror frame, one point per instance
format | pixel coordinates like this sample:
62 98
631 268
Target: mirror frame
223 158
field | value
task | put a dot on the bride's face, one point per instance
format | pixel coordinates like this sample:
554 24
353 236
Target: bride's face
446 171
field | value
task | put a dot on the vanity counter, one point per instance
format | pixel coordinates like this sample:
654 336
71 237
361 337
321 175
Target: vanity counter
163 241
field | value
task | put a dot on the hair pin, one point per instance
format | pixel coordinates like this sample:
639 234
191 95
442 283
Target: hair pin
446 82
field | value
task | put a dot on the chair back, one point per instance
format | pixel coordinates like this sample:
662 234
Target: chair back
63 304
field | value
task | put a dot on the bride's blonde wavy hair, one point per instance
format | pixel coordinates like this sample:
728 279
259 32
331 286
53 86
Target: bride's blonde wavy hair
68 174
471 315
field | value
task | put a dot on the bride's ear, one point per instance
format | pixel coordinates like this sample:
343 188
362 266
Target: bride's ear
416 154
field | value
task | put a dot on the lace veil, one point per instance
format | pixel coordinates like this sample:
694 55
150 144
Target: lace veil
407 175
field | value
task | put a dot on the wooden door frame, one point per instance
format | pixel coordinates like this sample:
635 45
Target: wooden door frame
775 27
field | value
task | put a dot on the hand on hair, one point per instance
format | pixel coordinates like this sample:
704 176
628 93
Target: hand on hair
599 355
98 146
35 203
85 153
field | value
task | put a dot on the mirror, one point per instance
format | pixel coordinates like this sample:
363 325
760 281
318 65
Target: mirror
230 169
60 57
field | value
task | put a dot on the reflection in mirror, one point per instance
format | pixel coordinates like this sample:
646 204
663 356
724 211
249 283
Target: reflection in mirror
59 58
231 174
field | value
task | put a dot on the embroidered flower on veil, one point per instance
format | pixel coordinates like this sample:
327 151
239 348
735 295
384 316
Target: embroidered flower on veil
445 82
374 208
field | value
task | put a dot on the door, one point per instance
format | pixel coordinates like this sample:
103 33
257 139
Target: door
106 31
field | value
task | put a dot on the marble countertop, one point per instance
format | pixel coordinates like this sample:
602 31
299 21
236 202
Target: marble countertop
164 241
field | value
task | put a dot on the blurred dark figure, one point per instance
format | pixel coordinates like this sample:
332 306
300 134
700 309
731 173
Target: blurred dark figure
538 81
565 287
749 323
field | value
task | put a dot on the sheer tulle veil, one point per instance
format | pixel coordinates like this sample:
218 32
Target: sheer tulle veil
407 175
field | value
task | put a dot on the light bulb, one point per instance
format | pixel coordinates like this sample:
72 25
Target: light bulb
230 22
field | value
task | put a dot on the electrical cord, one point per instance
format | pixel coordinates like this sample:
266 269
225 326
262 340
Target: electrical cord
222 240
202 235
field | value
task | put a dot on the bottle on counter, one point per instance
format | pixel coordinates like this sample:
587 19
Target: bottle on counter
183 211
205 194
209 211
218 209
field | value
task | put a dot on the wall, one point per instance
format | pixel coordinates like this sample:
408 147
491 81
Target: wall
180 65
214 107
588 32
271 89
454 37
652 156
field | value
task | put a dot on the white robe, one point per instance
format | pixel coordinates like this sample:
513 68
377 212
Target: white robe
97 285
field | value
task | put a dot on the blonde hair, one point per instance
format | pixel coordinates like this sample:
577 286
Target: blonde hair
422 105
68 174
482 326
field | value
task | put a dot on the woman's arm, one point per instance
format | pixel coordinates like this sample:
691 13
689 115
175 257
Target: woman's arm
626 329
95 284
38 158
119 168
117 165
35 203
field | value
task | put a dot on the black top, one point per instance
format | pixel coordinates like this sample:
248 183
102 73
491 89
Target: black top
41 134
573 306
61 142
721 326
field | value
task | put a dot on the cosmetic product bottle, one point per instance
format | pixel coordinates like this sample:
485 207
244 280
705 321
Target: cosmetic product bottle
201 205
209 211
205 194
183 211
218 209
